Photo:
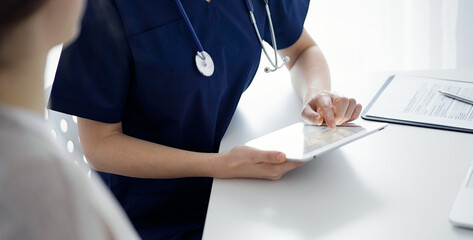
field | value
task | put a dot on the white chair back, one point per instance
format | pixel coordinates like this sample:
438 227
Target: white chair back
64 129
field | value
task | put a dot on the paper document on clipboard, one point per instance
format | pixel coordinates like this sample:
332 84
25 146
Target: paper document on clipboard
417 101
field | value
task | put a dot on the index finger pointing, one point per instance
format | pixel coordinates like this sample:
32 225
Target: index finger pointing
329 117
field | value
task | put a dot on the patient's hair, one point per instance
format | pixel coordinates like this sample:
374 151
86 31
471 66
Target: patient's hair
13 11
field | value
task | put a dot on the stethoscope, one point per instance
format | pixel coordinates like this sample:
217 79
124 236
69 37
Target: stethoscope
204 61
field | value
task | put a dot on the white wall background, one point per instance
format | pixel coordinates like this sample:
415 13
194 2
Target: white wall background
383 35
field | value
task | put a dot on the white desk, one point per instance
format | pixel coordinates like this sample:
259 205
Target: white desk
399 183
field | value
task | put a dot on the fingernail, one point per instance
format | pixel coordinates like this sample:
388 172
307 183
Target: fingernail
280 157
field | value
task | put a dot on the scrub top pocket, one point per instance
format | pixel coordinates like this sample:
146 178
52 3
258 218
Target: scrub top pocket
166 78
164 62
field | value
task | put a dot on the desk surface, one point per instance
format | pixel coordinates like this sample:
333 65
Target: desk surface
399 183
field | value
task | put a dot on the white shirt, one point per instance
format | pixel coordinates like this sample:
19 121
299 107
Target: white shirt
43 194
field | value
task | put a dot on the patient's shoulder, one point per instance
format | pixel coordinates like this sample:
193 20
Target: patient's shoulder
36 197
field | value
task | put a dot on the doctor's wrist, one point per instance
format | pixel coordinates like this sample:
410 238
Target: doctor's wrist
206 165
312 93
215 165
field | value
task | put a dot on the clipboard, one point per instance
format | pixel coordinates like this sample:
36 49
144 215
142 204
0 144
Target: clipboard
385 107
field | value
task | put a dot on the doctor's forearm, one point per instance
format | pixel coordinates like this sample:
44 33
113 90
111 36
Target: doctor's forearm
309 69
128 156
310 73
109 150
124 155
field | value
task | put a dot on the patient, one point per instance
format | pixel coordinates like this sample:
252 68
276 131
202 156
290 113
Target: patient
43 194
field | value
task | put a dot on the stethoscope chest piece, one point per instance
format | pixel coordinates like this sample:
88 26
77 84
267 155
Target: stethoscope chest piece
204 63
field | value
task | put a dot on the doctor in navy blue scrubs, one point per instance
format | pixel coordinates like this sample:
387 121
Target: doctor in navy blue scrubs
155 84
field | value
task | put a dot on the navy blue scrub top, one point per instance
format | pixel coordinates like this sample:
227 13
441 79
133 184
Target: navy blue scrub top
134 63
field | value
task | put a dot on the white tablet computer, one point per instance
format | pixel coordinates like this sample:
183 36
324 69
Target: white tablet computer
303 142
462 211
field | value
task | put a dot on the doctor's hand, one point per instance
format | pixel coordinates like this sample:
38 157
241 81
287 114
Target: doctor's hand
247 162
331 109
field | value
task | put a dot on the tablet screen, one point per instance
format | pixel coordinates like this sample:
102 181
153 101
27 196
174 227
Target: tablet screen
319 136
301 142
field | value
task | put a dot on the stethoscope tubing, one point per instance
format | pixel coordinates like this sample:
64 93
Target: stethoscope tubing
250 7
190 27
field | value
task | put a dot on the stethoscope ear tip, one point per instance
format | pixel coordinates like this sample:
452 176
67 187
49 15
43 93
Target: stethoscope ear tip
285 60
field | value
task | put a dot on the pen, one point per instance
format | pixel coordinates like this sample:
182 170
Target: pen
456 97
